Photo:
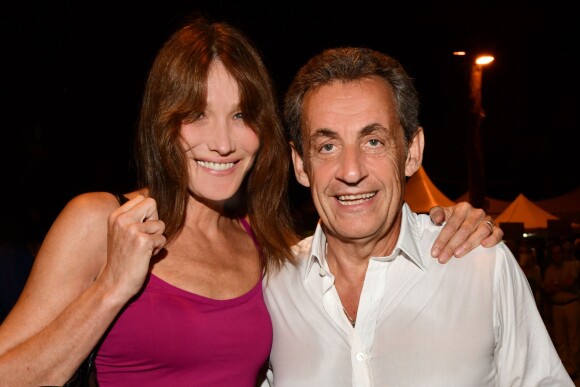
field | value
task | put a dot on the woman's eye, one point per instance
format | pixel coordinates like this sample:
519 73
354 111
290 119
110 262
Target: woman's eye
191 118
239 116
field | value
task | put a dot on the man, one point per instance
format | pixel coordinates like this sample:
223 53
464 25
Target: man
365 304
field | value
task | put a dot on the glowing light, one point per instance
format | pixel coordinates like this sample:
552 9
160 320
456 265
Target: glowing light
484 59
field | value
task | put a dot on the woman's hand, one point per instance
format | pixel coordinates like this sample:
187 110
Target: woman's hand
465 228
135 234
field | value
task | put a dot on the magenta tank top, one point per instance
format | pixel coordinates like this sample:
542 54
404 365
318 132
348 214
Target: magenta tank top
167 336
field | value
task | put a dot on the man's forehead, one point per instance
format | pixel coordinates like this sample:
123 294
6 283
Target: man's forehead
349 108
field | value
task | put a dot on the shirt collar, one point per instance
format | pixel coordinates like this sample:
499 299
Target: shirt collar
407 244
317 250
410 236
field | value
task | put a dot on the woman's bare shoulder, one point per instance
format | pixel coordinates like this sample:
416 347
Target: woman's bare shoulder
93 206
93 203
81 226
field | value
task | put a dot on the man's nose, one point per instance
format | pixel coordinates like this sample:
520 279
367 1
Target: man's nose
351 167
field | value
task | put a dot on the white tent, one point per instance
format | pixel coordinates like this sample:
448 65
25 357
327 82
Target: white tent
523 210
421 194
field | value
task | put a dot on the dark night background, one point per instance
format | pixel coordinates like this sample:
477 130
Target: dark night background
73 73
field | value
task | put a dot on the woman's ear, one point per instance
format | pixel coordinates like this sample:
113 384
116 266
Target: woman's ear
299 170
415 153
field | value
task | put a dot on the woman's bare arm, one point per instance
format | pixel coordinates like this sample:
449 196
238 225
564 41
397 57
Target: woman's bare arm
74 291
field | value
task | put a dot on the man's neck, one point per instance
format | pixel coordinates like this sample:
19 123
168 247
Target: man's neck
348 262
349 277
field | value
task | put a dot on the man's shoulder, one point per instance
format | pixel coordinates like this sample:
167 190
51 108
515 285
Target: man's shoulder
496 261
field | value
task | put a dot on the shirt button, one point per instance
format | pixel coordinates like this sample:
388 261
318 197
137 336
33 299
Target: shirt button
322 272
360 356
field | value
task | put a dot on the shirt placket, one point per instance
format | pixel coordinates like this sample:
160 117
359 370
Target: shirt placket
366 322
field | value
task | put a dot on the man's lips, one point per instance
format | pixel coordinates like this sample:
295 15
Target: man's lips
350 200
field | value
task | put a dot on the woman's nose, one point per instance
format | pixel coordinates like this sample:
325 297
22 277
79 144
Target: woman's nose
221 140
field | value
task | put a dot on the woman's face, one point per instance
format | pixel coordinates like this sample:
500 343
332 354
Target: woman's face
220 146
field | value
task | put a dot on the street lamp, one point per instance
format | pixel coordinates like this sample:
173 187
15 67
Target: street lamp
475 85
476 178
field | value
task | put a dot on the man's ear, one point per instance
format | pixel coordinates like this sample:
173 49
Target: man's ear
415 153
299 171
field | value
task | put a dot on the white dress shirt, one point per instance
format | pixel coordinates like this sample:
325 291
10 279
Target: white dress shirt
470 322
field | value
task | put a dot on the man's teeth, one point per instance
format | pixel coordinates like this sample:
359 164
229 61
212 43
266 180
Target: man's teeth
350 200
215 166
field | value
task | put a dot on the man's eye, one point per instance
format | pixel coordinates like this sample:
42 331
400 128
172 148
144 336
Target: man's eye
327 148
374 142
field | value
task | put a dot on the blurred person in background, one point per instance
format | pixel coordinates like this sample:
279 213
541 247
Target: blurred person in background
529 264
561 287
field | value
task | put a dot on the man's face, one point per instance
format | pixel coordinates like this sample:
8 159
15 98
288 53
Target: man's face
354 158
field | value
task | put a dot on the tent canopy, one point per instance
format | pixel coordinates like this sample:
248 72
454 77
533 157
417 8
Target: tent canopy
566 206
523 210
421 194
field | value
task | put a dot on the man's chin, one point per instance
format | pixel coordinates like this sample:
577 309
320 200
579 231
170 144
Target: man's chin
351 231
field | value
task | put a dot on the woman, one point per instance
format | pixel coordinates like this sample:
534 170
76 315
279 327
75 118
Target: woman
168 284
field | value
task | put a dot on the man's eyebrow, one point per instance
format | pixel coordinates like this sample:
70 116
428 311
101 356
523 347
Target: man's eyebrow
329 133
372 128
323 133
368 129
